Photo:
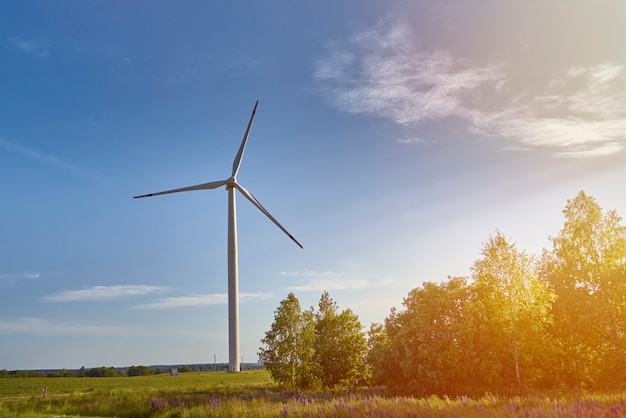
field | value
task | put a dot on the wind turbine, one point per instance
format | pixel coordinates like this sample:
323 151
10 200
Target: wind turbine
233 297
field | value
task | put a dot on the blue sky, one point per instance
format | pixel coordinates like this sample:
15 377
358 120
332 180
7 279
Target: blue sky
391 139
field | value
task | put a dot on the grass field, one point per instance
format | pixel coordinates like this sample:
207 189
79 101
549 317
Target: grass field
252 394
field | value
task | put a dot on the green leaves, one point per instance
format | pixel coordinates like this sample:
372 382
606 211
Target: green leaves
340 346
286 351
514 305
586 269
429 341
459 337
309 349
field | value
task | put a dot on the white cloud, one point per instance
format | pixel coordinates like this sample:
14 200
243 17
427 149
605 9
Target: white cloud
580 113
201 300
386 76
321 284
189 300
412 140
17 276
103 293
30 47
40 326
349 279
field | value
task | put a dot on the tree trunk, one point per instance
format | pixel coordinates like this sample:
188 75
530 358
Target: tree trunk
516 352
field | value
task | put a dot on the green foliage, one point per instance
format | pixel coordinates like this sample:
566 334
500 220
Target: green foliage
102 372
27 373
378 354
139 371
287 352
309 349
62 373
428 340
340 346
586 268
513 307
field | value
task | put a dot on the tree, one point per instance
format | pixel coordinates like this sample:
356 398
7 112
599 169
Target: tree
461 337
514 306
379 354
288 346
62 373
102 372
139 371
340 345
586 268
310 349
429 341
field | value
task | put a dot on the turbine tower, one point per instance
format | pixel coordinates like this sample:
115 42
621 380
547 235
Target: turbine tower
233 291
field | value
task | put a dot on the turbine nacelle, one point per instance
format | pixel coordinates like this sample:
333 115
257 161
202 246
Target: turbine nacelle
231 182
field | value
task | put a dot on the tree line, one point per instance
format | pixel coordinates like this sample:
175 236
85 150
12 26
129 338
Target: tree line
82 372
123 371
519 321
94 372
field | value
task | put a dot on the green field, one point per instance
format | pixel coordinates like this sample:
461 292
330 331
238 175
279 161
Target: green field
252 394
187 382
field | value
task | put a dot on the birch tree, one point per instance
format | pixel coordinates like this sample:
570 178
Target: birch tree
587 269
287 350
515 306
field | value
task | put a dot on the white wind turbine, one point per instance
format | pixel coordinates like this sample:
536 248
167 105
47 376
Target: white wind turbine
233 297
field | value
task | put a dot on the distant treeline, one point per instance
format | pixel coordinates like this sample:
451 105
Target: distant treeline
124 371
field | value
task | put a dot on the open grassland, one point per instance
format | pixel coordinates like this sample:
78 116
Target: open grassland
182 382
251 394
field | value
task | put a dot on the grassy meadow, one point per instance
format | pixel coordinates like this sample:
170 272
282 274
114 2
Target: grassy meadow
252 394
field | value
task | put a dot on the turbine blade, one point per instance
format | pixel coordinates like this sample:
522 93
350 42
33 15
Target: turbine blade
256 203
203 186
242 147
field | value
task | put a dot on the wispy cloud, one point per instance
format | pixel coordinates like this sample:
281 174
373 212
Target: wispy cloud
201 300
103 293
580 113
40 326
327 280
48 159
19 276
320 284
31 47
412 140
379 73
36 155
